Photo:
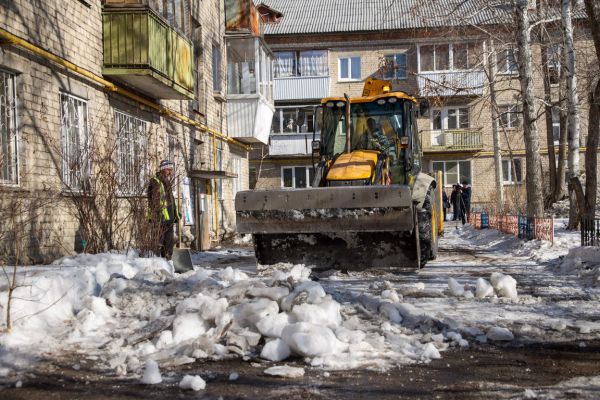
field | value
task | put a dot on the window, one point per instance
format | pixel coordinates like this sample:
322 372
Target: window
448 57
216 67
293 120
556 124
450 118
506 60
131 153
296 177
554 53
74 141
510 117
236 164
176 12
349 69
252 178
511 171
395 66
8 129
453 172
301 63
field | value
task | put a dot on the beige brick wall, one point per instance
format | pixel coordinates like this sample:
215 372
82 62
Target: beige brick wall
69 29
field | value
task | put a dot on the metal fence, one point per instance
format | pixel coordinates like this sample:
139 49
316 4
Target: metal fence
522 226
590 232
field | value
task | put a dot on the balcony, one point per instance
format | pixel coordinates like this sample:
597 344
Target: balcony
302 88
291 144
451 140
144 52
249 89
453 83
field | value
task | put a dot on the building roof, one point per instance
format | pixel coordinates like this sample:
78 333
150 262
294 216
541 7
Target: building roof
338 16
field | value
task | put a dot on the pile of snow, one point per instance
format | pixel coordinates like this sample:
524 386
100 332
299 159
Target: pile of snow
134 315
584 261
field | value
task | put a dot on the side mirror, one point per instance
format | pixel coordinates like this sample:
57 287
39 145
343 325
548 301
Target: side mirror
316 147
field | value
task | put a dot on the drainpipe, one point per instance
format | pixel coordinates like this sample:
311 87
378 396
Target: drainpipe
18 42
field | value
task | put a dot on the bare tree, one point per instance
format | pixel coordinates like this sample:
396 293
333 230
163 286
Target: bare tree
535 203
573 125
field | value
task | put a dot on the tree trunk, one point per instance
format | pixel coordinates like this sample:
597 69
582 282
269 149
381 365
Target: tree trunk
591 156
495 134
535 200
591 153
573 107
549 105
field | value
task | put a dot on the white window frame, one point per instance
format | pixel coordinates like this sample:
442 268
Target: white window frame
132 150
556 123
445 112
396 66
8 120
450 57
502 53
74 183
236 164
349 78
280 109
510 109
445 178
293 168
509 167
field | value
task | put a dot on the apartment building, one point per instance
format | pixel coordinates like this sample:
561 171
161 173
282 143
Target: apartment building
93 94
329 48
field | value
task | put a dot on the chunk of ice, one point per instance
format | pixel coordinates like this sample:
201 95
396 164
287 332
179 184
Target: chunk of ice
455 288
151 373
483 289
193 382
285 371
275 350
499 334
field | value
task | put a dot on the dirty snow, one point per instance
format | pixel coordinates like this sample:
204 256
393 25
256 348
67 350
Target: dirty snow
135 315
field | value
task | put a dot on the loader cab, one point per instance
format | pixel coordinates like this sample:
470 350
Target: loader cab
383 134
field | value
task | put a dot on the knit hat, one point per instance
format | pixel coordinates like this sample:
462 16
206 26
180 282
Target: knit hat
165 164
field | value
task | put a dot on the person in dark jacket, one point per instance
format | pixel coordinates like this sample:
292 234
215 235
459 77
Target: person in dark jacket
466 198
445 203
455 199
163 210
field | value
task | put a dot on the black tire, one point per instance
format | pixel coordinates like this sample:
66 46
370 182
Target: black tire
427 236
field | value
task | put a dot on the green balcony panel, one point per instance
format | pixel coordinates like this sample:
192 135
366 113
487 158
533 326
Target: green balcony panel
144 52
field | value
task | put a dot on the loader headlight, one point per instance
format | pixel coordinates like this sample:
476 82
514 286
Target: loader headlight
381 102
330 104
392 100
340 104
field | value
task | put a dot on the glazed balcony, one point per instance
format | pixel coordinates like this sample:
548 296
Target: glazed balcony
146 53
451 83
451 140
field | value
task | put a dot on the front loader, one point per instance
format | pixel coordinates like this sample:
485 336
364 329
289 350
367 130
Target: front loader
370 206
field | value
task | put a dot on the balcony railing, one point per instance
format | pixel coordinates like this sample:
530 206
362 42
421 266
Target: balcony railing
452 140
302 87
291 144
143 51
454 83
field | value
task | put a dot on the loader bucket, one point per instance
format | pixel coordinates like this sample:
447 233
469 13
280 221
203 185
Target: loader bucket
351 228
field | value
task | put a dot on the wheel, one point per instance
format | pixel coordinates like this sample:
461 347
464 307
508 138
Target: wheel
427 220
